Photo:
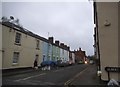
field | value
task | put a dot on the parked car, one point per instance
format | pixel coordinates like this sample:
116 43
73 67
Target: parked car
48 63
80 62
60 63
91 62
70 62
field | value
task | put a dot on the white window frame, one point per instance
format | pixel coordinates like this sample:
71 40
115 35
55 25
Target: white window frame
37 44
16 57
18 38
44 57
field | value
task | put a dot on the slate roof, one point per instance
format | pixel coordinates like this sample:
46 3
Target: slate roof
25 31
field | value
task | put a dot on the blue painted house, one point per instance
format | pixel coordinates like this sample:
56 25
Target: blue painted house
45 50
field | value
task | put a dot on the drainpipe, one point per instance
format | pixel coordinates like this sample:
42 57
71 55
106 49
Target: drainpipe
95 16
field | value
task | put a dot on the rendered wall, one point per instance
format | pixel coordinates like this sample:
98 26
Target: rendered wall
27 49
107 12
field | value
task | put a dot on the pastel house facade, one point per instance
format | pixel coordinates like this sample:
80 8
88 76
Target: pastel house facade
20 47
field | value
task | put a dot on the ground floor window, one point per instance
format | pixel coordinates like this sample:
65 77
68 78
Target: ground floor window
16 57
43 57
36 57
49 57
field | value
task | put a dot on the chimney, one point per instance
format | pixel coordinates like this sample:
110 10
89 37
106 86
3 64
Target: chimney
50 39
57 42
65 47
84 52
68 48
62 45
79 49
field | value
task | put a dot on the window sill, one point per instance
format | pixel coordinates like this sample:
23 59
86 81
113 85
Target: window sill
14 64
37 48
19 44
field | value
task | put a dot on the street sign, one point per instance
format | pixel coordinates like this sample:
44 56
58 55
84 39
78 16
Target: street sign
112 69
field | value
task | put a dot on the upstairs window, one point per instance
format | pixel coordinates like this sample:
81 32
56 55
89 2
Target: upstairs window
18 38
37 44
63 51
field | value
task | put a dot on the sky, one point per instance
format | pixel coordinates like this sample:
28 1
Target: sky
69 22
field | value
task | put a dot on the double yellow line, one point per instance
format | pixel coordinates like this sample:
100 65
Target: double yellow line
75 77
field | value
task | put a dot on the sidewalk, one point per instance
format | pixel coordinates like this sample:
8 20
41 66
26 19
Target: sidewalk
17 71
11 72
88 77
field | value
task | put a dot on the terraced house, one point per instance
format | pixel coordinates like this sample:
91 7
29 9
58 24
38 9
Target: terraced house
20 47
106 19
56 51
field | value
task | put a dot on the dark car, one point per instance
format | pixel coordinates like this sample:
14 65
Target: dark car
48 63
60 63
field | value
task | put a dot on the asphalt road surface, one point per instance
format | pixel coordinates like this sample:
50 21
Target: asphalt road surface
60 76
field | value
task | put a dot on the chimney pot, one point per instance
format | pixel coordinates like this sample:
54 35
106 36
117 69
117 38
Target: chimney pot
57 42
50 39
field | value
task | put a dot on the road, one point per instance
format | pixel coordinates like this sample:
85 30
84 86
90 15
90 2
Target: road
61 76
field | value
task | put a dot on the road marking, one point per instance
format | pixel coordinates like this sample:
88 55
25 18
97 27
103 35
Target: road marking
58 70
30 77
49 83
75 77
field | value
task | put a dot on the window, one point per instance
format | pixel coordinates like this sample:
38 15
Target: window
57 58
18 38
15 57
63 51
56 50
36 57
43 57
37 44
49 57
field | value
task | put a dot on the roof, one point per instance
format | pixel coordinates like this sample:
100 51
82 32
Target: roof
25 31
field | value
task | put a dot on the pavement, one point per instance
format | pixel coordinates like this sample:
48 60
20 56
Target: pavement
15 72
20 71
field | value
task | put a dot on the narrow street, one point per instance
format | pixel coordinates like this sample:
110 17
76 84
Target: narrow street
62 76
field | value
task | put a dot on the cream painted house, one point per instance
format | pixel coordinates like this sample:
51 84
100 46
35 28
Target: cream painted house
106 38
20 47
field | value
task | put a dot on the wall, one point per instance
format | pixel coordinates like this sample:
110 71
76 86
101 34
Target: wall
27 49
44 50
0 54
0 47
108 37
58 52
119 37
61 54
54 53
73 57
50 47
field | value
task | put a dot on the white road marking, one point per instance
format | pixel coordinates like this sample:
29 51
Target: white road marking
58 70
30 77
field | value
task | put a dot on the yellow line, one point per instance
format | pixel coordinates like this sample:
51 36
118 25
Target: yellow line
75 77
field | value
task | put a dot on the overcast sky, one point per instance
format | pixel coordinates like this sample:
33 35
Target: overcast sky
69 22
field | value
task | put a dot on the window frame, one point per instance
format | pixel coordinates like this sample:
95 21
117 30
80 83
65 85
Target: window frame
15 58
18 38
37 44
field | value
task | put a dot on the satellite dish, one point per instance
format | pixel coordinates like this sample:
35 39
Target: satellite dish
11 17
4 19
